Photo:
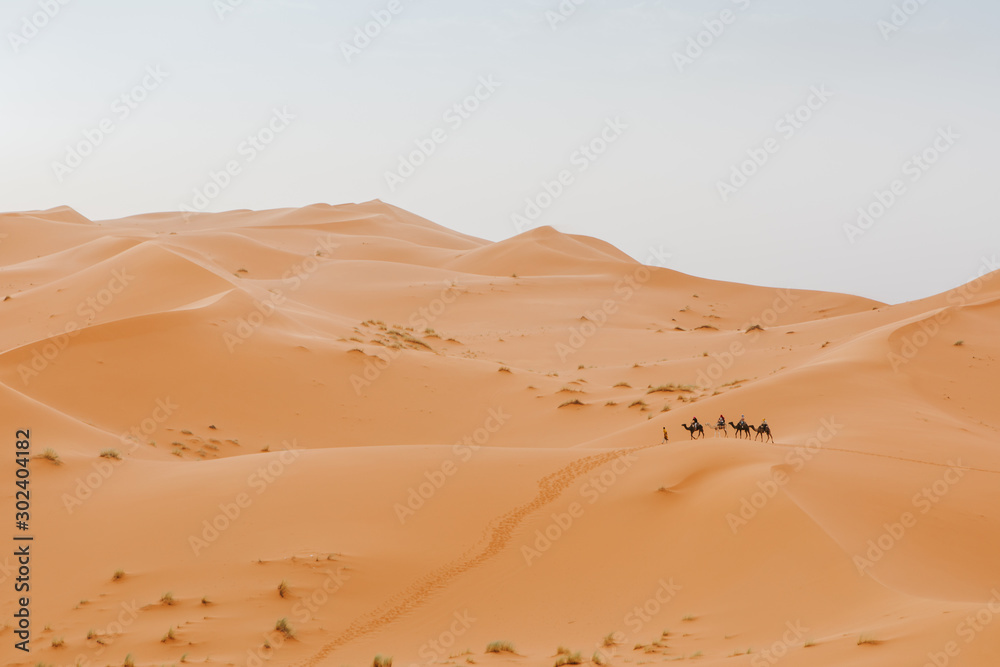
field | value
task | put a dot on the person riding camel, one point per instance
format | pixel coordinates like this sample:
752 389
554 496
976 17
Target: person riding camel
743 420
722 421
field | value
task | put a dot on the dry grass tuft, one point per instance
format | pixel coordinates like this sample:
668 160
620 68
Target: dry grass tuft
502 646
284 628
50 455
568 659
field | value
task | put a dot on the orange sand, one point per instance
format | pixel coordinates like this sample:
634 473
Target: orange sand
435 497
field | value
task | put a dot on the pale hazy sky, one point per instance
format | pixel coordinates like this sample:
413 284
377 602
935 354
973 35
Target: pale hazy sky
680 118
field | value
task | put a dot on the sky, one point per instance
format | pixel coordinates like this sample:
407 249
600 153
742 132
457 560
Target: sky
848 146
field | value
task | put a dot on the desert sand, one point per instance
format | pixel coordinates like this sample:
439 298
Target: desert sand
410 442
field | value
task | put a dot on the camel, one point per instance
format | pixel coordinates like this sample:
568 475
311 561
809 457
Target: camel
763 430
719 427
741 428
694 429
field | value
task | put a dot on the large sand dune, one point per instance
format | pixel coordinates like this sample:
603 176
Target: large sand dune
380 412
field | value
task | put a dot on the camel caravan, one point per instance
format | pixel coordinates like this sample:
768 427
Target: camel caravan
697 429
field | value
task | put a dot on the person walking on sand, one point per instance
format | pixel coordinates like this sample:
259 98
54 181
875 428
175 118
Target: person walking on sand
666 438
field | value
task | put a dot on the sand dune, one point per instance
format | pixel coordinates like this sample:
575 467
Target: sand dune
438 442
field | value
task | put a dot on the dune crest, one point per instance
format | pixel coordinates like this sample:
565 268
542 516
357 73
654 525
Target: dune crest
336 432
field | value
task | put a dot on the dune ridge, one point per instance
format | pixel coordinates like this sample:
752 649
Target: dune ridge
411 428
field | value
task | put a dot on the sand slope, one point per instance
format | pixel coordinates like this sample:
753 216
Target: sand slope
438 442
